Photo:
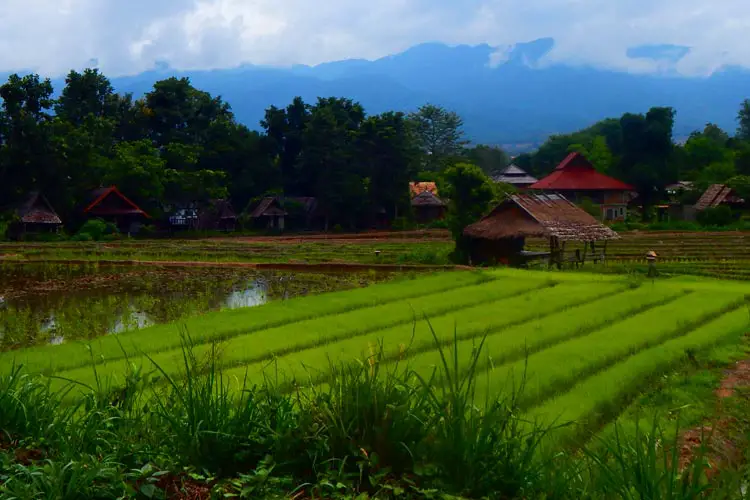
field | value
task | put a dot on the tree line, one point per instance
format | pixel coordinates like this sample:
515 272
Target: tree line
178 144
640 149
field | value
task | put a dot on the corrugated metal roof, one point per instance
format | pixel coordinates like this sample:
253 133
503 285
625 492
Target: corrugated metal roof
576 173
715 195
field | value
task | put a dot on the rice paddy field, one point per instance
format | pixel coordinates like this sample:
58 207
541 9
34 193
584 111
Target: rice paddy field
586 344
724 254
451 383
497 368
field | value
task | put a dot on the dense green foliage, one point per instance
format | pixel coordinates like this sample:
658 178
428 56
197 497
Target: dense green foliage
178 145
640 149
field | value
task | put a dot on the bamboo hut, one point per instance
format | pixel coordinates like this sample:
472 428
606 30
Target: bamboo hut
500 236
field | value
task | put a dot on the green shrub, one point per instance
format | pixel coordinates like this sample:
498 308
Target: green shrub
96 230
591 208
716 216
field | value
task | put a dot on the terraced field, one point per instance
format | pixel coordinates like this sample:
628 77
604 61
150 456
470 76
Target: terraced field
586 343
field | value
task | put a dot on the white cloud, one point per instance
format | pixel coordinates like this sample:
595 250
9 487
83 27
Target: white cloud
51 36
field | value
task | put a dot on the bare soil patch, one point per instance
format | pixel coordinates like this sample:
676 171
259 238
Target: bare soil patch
715 437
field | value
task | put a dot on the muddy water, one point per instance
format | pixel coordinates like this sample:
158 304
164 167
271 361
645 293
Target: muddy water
50 303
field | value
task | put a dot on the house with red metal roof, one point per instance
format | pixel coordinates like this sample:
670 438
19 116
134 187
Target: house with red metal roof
111 205
577 179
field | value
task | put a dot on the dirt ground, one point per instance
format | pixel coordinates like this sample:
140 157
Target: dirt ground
714 437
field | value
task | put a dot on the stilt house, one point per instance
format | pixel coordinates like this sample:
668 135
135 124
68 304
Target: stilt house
500 236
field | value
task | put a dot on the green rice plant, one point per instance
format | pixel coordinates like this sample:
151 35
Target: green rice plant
406 340
555 370
265 344
217 326
517 341
600 397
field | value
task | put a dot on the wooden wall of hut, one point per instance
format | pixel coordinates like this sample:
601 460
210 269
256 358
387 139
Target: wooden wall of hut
499 251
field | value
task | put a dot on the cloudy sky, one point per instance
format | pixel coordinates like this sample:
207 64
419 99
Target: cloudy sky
129 36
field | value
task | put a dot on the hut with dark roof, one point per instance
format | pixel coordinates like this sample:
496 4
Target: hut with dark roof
427 207
516 177
500 236
281 212
109 204
718 194
577 179
35 215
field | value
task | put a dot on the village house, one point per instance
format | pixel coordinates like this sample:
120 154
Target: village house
214 215
426 205
577 179
35 215
516 177
109 204
282 212
718 194
500 236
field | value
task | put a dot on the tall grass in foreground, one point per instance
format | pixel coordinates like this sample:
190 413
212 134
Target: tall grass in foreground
374 431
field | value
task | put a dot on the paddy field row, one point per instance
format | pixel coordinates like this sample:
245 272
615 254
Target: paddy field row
584 345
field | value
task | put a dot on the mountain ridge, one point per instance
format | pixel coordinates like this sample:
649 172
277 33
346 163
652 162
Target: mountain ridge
505 95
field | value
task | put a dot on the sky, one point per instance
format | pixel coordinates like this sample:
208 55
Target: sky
130 36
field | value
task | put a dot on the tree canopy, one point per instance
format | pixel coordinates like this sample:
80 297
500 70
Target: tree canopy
178 145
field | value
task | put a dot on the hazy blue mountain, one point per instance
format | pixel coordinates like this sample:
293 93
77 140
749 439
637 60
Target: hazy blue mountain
505 96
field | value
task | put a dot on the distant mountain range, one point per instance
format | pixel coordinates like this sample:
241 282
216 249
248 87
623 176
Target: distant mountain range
505 97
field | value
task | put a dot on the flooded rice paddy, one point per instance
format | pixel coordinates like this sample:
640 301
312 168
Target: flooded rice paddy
54 303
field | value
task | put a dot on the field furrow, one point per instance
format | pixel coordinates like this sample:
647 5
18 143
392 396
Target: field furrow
221 325
265 344
511 344
600 397
410 339
555 370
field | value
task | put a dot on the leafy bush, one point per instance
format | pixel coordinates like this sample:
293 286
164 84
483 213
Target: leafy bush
96 230
591 208
716 216
402 224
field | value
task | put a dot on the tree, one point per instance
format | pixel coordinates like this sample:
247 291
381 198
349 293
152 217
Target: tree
138 170
743 117
285 129
26 160
175 111
329 165
647 152
597 153
471 194
390 155
86 94
245 157
491 159
440 135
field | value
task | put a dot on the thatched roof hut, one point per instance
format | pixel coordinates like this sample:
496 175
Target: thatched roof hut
501 234
540 215
36 210
717 194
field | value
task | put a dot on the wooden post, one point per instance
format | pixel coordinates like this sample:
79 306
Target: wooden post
604 253
585 250
551 250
